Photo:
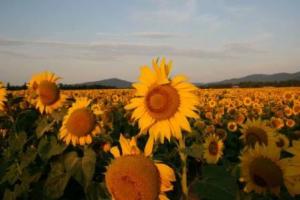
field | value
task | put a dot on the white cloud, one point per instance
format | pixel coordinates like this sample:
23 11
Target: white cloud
103 50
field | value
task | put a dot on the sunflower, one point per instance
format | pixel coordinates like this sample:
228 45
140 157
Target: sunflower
282 141
2 96
262 170
133 175
44 93
80 123
296 109
257 131
162 105
213 149
247 101
295 148
290 123
277 122
232 126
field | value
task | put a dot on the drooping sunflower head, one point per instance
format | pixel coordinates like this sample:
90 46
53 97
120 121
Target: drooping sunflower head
162 105
44 93
262 170
213 149
257 132
80 123
133 175
2 96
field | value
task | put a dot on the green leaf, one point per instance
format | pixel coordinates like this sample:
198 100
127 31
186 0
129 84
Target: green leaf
72 162
17 141
28 157
57 181
59 114
195 151
96 191
12 174
25 120
88 165
49 147
9 195
216 184
43 126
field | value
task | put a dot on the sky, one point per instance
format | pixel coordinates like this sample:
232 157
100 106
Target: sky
90 40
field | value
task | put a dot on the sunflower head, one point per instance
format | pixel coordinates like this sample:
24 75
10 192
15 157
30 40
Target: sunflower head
261 169
44 92
213 149
232 126
257 132
162 105
133 175
80 123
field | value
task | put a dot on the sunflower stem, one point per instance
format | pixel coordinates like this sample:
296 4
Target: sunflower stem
183 156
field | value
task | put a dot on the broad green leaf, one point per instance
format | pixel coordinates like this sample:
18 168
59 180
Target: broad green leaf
12 174
49 146
28 157
59 114
216 184
43 126
9 195
88 165
195 151
72 162
17 141
96 191
57 181
25 120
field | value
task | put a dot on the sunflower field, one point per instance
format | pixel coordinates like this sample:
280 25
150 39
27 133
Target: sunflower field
163 139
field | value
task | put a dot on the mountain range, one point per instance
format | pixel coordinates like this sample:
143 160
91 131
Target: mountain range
278 77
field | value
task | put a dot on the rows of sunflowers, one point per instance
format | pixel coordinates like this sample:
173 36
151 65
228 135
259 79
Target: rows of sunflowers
164 139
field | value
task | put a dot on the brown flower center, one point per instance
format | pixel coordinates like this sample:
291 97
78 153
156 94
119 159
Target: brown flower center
49 92
256 134
162 102
265 173
133 177
213 148
280 143
81 122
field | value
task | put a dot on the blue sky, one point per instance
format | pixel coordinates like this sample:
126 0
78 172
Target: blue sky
87 40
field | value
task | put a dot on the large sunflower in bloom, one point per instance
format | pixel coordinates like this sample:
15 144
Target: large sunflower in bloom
44 92
262 170
80 123
162 105
2 96
257 131
133 175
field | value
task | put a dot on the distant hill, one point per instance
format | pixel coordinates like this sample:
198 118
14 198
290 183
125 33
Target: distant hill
278 77
254 78
112 82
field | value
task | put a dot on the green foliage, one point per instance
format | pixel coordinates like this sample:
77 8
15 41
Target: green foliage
216 184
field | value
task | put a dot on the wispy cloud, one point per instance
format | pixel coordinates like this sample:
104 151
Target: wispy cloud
144 34
110 50
156 35
242 48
